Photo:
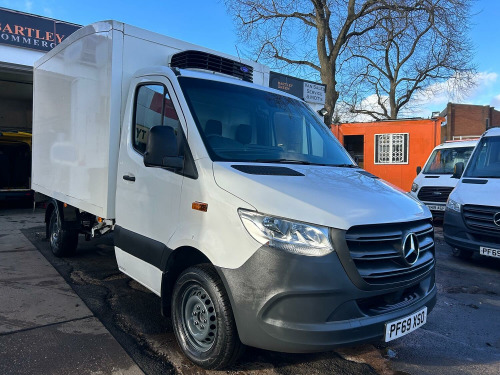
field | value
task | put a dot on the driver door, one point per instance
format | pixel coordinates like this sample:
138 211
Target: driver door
147 198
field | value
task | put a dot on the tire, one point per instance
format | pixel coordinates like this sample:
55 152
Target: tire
63 242
461 253
203 320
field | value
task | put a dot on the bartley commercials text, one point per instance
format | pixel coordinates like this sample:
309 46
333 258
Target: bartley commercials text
28 35
31 31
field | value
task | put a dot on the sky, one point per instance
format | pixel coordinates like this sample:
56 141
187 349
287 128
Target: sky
207 23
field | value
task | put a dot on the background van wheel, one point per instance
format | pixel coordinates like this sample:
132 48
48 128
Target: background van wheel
63 242
203 320
461 253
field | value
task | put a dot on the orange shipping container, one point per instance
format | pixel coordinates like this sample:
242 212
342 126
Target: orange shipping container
391 149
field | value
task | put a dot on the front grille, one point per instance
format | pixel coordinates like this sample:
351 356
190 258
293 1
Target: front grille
434 193
207 61
480 218
376 251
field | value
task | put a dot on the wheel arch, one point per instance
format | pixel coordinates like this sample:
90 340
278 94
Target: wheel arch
179 260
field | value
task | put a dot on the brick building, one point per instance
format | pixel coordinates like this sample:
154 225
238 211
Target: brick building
467 120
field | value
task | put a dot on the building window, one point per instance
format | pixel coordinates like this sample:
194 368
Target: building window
391 148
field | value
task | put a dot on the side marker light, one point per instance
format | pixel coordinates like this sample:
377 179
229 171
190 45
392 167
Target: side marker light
200 206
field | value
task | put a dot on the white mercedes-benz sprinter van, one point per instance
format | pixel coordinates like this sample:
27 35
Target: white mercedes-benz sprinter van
435 181
233 202
472 216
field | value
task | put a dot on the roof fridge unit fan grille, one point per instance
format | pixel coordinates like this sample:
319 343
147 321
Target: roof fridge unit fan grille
207 61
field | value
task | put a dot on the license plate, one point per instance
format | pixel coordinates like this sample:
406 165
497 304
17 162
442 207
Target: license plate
403 326
489 252
435 207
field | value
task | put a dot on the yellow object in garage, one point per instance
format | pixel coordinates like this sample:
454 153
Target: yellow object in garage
13 136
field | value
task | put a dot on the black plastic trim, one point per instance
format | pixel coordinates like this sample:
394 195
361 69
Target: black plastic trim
142 247
267 170
474 181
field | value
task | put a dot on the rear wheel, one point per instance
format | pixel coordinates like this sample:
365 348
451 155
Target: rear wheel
461 253
203 319
63 242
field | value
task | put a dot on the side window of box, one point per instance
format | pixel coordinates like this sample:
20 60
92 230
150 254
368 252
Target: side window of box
153 106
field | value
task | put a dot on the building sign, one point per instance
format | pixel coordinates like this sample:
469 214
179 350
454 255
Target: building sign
309 91
314 93
33 32
290 85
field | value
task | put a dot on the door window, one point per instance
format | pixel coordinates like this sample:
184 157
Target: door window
153 107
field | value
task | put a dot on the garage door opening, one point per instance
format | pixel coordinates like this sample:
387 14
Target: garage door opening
15 165
16 98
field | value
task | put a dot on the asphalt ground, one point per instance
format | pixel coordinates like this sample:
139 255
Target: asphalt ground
45 327
461 336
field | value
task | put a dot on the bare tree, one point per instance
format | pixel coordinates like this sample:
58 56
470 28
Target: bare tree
308 34
414 46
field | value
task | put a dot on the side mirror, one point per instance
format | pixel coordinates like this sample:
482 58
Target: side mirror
419 169
162 149
458 170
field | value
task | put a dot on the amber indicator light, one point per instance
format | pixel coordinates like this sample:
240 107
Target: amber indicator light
200 206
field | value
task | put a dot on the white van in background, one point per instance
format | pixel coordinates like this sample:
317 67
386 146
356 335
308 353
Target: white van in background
435 181
472 216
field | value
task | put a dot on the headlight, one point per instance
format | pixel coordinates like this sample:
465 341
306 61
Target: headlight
453 205
283 234
414 187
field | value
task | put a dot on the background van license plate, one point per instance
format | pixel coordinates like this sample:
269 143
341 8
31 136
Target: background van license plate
403 326
435 207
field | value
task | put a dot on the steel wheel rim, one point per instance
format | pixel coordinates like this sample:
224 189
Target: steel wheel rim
199 319
54 233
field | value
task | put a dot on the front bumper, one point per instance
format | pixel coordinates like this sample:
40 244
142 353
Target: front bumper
456 234
298 304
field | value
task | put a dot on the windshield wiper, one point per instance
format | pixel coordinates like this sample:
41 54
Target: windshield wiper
344 165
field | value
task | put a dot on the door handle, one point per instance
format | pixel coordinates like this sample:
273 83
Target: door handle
129 178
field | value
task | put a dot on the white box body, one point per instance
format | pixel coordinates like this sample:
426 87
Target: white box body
80 89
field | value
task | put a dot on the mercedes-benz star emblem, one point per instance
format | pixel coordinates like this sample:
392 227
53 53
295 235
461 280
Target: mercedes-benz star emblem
496 219
411 249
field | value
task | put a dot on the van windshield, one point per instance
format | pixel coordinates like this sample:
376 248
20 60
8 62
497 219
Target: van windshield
239 123
443 161
485 162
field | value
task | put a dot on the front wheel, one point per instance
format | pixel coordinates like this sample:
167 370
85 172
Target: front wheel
461 253
203 319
